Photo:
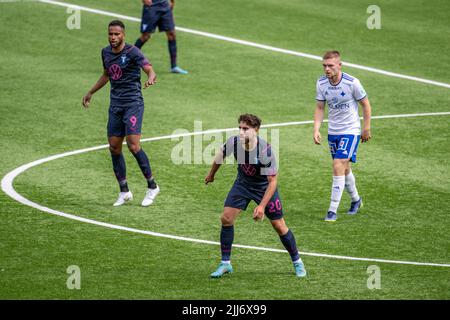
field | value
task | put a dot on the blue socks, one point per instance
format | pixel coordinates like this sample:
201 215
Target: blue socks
120 171
173 52
227 237
139 43
289 243
226 241
144 164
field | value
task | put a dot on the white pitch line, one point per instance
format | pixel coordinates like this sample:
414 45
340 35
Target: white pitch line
8 179
251 44
410 115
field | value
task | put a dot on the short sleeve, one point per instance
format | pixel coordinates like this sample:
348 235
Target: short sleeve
229 146
268 161
319 94
139 58
358 91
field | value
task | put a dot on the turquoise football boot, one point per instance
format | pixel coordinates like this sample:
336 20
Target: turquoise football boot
177 69
222 269
300 270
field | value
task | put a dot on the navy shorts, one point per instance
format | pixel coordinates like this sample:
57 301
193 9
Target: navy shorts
125 121
240 196
157 16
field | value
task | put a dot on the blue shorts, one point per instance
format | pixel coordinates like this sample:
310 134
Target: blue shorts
125 121
240 196
157 16
343 146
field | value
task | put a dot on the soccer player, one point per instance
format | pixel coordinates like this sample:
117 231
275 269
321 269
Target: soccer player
256 180
121 67
342 92
159 13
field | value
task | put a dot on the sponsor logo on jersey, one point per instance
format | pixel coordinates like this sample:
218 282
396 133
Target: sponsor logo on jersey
341 106
115 72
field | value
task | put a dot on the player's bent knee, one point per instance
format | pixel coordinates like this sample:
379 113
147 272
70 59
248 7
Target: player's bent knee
134 148
226 220
115 149
347 171
228 216
171 35
280 226
145 36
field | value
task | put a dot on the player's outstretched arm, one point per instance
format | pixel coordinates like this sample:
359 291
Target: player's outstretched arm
147 2
318 118
218 160
258 213
148 69
97 86
367 114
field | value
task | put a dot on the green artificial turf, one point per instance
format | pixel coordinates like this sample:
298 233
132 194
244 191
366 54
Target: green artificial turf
402 173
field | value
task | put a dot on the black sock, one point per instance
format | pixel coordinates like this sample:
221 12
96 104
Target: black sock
289 243
120 171
226 242
139 43
144 164
173 52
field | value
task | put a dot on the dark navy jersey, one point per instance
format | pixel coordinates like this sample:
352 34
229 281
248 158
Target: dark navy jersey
124 71
253 166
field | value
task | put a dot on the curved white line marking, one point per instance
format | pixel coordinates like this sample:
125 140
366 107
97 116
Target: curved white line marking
251 44
8 179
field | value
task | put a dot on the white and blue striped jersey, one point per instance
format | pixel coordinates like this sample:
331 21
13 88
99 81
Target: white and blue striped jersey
342 100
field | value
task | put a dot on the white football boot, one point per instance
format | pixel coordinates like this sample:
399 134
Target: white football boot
123 197
150 195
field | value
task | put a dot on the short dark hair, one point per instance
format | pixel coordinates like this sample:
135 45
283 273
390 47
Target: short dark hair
117 23
251 120
331 54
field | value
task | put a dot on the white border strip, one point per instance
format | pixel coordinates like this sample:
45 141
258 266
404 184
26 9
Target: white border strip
8 179
251 44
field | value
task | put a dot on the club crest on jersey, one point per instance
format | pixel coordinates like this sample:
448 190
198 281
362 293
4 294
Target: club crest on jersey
124 59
